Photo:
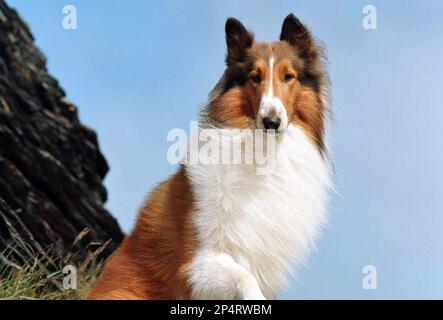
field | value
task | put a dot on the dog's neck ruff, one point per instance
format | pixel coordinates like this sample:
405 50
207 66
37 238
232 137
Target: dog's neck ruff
267 223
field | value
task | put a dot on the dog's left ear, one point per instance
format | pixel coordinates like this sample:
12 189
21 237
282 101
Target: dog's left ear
295 32
238 39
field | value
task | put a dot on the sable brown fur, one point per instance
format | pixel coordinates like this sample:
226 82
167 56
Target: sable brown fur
152 261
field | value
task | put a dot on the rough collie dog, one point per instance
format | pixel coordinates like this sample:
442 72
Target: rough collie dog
223 231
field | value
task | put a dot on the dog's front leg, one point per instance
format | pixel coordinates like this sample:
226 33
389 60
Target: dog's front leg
217 276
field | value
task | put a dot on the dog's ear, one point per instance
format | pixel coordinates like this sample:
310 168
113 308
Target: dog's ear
238 39
295 32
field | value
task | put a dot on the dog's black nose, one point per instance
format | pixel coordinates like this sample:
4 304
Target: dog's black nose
272 122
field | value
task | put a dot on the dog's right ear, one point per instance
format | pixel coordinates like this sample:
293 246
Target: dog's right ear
296 33
238 39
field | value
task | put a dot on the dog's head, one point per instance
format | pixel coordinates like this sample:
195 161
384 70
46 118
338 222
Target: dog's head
272 85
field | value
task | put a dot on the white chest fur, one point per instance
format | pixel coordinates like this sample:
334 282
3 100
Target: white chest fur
266 223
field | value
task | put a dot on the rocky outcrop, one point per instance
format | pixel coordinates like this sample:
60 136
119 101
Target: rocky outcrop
51 168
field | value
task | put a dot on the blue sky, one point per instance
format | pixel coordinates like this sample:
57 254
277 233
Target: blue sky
137 69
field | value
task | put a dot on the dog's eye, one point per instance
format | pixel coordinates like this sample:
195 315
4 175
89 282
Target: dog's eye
288 77
256 78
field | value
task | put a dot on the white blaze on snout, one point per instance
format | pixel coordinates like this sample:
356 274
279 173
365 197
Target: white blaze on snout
271 105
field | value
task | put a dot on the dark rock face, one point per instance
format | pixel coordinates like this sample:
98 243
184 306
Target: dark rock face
51 168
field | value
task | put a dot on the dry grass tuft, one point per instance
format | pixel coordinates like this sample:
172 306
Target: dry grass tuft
42 278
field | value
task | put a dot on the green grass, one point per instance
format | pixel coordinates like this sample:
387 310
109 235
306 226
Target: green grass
33 281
